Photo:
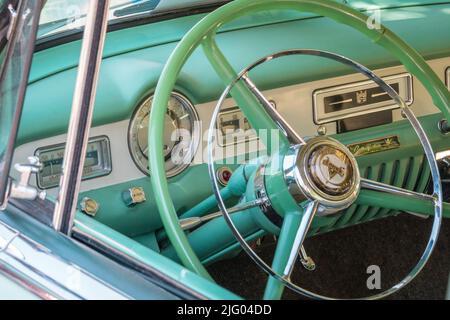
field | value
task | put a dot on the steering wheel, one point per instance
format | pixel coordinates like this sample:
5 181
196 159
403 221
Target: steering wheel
296 189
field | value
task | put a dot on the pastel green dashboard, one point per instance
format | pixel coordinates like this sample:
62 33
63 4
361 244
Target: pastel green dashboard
133 60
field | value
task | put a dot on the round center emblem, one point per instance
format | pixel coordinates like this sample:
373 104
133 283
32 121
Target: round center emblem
330 170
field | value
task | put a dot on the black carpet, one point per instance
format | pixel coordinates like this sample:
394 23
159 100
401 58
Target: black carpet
342 257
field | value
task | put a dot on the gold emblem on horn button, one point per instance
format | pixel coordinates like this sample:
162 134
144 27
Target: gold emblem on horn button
330 170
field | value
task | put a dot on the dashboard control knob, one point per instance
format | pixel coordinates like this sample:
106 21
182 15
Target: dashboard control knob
133 196
89 206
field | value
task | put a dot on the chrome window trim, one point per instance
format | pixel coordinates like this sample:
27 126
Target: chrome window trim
321 118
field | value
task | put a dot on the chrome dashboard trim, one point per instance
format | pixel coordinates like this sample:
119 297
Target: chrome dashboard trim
251 136
374 145
320 117
104 169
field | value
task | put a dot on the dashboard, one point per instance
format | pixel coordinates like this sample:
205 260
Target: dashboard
117 152
315 97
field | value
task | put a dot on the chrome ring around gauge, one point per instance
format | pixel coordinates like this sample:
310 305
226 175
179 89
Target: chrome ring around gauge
181 135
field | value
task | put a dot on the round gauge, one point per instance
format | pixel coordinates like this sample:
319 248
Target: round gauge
180 134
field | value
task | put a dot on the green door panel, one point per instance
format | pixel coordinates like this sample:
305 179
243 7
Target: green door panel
132 67
141 253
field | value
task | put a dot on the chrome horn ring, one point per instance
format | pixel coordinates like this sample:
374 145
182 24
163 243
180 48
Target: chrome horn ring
437 190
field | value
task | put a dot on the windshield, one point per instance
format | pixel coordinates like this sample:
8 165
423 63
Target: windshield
67 15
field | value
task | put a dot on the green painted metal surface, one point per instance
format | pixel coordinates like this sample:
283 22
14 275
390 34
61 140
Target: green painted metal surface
144 218
131 67
143 254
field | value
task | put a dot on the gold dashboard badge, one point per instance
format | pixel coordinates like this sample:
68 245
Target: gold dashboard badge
373 146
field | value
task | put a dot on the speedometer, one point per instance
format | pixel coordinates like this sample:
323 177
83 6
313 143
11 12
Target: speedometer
181 134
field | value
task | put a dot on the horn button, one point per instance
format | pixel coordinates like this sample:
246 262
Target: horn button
330 170
324 170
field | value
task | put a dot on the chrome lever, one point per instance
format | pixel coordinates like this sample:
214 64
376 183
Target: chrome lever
22 189
307 262
13 17
192 222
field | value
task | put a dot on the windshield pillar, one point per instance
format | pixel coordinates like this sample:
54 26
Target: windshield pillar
81 115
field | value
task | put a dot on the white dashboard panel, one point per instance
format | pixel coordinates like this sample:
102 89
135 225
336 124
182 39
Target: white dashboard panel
295 103
120 156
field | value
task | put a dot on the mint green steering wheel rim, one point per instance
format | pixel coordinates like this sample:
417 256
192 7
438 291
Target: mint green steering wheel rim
203 32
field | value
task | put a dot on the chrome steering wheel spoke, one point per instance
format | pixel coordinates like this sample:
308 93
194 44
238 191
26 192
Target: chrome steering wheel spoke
290 133
305 223
242 95
382 195
382 187
289 245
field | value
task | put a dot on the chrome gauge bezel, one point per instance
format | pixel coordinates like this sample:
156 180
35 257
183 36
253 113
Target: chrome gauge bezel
103 168
194 131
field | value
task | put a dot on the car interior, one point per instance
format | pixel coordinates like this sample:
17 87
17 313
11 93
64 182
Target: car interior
310 67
